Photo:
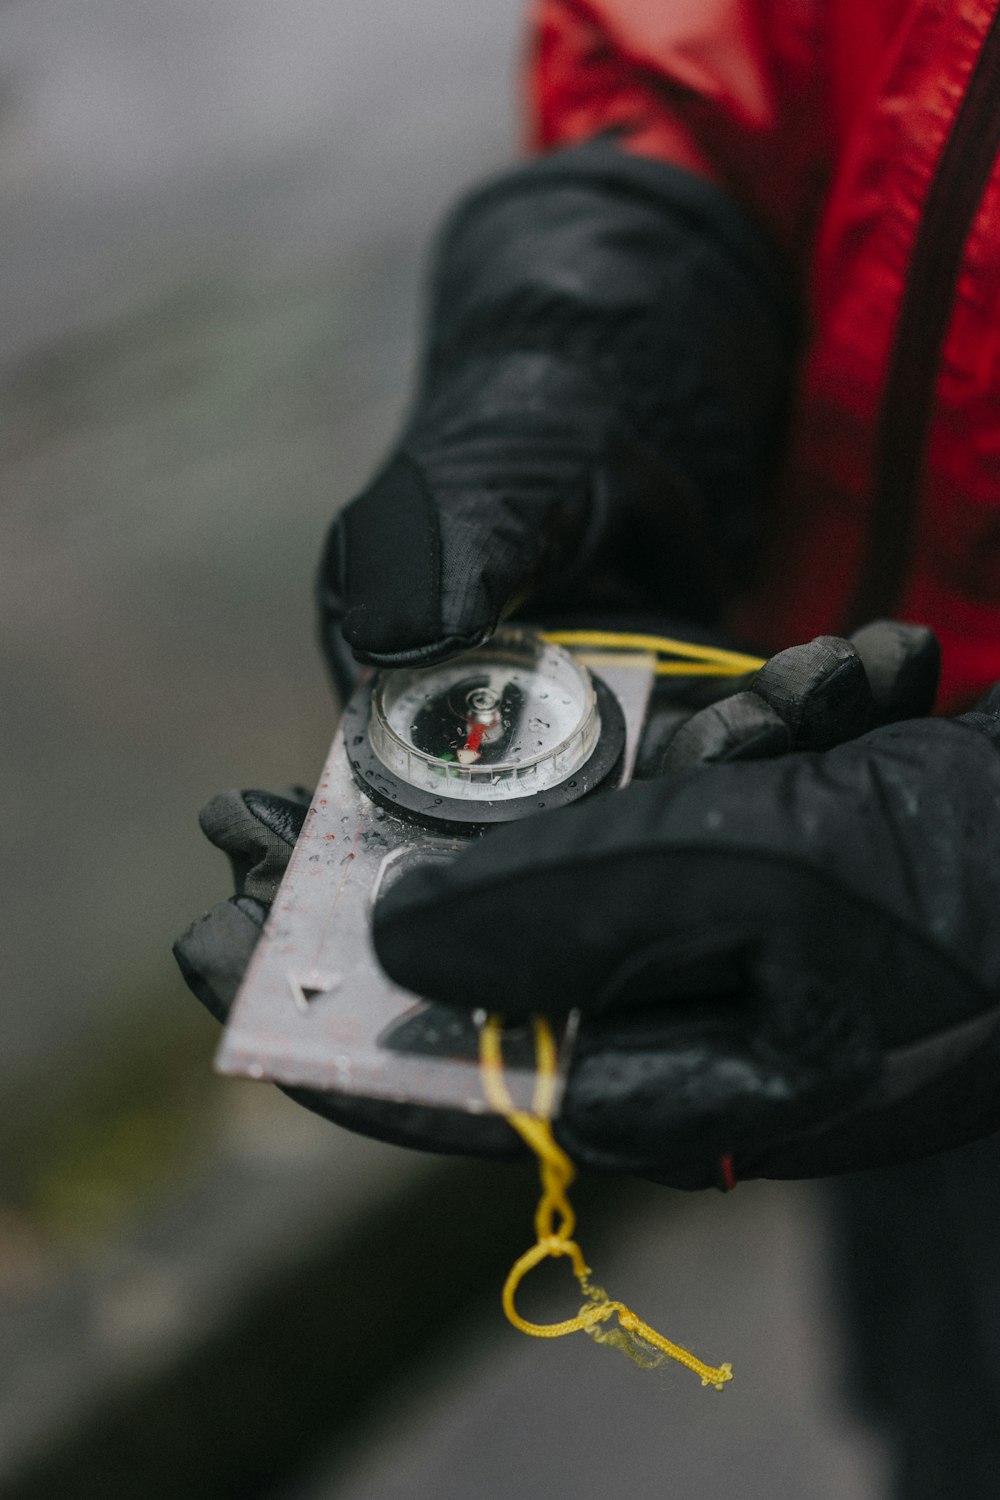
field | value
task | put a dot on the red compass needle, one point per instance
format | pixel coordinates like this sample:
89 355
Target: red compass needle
470 750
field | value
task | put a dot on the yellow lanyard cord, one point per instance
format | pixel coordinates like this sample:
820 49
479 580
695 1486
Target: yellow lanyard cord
555 1220
702 661
554 1217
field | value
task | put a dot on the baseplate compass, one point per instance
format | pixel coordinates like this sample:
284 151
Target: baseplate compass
423 761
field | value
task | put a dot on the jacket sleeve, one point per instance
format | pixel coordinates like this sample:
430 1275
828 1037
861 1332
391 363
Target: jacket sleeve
732 90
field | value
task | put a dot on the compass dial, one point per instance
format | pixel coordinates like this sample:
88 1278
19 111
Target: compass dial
509 720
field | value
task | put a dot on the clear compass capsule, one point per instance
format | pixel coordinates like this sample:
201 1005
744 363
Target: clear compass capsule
512 719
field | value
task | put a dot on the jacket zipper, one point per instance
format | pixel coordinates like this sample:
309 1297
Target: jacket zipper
925 313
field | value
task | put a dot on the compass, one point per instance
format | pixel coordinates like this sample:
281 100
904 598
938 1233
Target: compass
512 728
424 761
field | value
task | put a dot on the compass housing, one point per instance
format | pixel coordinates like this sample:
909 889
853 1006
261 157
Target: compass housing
512 728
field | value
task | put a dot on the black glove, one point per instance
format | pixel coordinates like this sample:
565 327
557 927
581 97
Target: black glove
607 353
810 695
793 964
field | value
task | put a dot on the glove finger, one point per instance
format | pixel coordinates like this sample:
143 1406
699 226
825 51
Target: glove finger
741 727
587 906
213 953
258 831
808 697
487 502
820 690
664 892
450 1132
653 1094
384 577
670 1091
903 664
380 581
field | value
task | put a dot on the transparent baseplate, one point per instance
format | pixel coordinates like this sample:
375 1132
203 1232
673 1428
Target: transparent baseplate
317 1011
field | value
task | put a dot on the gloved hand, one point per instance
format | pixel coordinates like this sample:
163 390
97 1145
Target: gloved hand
810 696
608 345
791 965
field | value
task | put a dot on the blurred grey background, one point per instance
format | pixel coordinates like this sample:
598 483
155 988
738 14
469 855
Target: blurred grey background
214 223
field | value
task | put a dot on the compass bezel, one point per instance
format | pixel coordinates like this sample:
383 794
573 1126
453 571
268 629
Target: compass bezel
456 813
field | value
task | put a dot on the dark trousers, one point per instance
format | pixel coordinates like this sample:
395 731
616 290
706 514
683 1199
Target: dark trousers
917 1270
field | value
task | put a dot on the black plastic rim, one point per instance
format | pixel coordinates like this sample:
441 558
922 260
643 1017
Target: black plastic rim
454 813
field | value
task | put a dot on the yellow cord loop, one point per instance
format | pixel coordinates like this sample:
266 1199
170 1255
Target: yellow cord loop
555 1220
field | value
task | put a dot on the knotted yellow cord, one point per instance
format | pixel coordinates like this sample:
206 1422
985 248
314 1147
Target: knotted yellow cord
555 1220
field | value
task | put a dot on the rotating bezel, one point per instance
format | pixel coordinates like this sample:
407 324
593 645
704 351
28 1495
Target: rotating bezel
456 813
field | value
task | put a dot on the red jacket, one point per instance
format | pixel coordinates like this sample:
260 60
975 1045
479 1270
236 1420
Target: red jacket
864 136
